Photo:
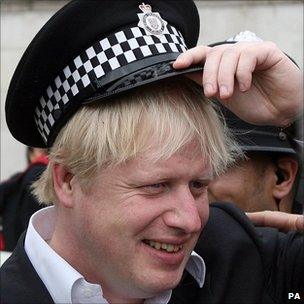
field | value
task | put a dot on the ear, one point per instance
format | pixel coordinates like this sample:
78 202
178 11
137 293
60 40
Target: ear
287 170
63 186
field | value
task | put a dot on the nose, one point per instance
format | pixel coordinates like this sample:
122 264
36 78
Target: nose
187 212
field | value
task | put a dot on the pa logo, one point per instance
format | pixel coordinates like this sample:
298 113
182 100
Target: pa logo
294 296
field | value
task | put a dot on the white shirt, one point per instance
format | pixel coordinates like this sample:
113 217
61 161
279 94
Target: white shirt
64 283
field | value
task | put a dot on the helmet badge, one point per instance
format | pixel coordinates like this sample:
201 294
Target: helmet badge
151 22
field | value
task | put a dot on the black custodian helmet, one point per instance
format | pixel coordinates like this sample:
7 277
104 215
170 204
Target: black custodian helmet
270 139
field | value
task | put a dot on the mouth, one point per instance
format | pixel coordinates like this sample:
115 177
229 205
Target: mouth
170 248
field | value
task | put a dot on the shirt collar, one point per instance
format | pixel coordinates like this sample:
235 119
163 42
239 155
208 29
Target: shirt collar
57 274
64 283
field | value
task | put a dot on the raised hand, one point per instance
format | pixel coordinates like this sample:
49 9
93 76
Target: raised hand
255 80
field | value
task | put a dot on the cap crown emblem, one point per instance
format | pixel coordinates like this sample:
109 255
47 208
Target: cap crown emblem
151 22
245 36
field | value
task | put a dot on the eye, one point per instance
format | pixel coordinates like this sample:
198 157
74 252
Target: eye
155 188
198 187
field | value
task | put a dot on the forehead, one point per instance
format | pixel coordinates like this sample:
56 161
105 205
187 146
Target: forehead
188 162
244 169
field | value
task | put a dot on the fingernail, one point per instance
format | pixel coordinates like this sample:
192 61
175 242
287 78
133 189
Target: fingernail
223 90
208 89
242 87
179 59
300 224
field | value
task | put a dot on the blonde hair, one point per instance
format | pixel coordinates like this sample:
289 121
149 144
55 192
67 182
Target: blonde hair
155 120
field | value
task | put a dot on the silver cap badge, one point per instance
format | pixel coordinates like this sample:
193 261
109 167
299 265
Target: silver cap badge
151 22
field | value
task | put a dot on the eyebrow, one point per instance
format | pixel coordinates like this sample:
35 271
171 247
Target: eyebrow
163 176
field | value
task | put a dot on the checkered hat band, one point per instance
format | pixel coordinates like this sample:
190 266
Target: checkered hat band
106 55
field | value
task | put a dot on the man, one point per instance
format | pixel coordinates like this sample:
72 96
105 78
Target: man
17 203
129 168
247 264
268 178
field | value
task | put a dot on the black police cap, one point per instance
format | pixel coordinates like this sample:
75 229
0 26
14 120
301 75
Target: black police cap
93 49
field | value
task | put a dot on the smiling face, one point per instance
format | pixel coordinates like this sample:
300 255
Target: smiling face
129 181
140 221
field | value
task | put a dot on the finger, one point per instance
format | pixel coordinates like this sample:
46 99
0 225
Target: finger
211 71
255 56
246 65
258 218
227 71
196 55
276 219
300 224
267 54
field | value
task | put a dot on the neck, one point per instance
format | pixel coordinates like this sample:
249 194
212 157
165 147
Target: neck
63 244
286 203
63 241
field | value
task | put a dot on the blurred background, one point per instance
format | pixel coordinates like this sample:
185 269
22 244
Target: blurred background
278 21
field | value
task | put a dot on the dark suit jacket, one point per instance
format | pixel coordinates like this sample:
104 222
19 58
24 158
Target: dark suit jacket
244 265
20 282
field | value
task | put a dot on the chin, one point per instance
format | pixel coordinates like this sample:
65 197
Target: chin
163 282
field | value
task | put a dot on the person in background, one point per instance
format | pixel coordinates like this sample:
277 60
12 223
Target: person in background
269 177
36 155
248 262
17 203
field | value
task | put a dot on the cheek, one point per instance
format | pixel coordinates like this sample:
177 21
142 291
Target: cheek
94 221
204 211
142 211
122 220
226 186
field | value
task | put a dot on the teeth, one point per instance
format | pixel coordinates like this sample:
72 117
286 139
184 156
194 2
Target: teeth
170 248
176 248
164 246
157 245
